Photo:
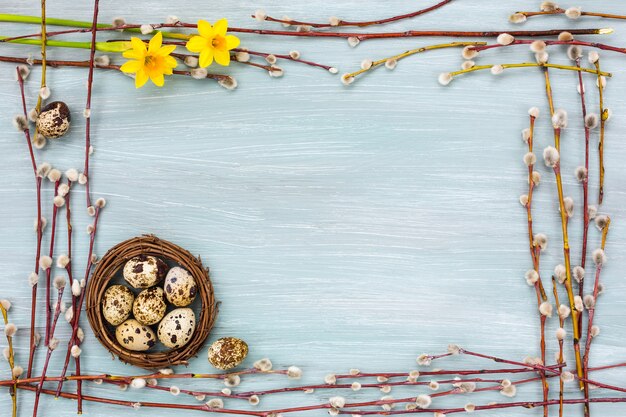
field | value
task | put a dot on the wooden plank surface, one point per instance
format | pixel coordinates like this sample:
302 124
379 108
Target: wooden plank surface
345 227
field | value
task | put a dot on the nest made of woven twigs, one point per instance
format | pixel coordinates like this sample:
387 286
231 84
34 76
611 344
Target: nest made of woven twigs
109 268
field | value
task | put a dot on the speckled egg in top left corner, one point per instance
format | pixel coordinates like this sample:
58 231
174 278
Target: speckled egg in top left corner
144 271
54 120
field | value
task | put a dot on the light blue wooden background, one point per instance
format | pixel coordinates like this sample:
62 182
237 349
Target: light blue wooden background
344 227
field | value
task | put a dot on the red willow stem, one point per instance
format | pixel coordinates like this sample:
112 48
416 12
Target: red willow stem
559 11
496 406
358 35
535 254
345 23
73 339
92 55
57 312
549 42
585 182
544 368
53 227
560 359
525 368
137 404
592 310
38 179
286 57
85 64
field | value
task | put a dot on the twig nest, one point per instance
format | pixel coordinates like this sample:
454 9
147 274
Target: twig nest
117 304
227 352
180 287
177 327
149 306
54 120
144 271
135 336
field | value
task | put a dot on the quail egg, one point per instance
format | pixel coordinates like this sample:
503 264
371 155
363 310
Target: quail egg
177 327
117 304
133 335
180 287
54 120
227 352
149 306
144 271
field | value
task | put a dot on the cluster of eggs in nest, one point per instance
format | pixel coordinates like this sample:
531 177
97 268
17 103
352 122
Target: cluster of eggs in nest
156 297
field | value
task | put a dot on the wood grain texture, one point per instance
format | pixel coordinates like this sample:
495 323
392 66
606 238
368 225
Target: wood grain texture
344 227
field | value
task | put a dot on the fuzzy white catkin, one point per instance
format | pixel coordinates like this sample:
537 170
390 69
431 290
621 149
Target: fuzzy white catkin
560 333
497 69
423 401
548 6
564 311
578 303
533 112
529 159
565 36
444 78
593 57
337 401
538 46
294 372
551 156
545 309
599 258
573 12
517 18
469 52
138 383
505 39
559 119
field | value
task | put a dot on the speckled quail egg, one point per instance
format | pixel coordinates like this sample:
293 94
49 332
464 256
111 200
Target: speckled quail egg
177 327
227 352
144 271
54 120
149 306
117 304
180 287
133 335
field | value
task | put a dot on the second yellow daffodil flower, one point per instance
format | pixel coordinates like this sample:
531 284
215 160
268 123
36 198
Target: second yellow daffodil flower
213 43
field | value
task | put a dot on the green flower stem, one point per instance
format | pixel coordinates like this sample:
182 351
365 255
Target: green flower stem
4 17
115 46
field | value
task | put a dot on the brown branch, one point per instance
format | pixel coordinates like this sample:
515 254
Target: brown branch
345 23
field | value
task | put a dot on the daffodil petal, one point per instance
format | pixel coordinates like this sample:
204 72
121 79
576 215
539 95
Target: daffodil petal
222 57
231 42
131 66
157 79
220 27
140 78
132 54
197 44
168 71
155 42
165 50
206 57
170 62
138 45
205 29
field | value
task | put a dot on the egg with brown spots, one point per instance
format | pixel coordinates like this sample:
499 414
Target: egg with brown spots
117 303
177 327
180 287
135 336
144 271
149 306
54 120
227 352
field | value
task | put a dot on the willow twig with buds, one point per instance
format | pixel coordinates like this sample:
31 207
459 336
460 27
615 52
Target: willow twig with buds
336 22
392 61
34 277
551 9
9 332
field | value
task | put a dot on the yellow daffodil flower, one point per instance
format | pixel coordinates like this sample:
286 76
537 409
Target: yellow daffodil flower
213 43
153 61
